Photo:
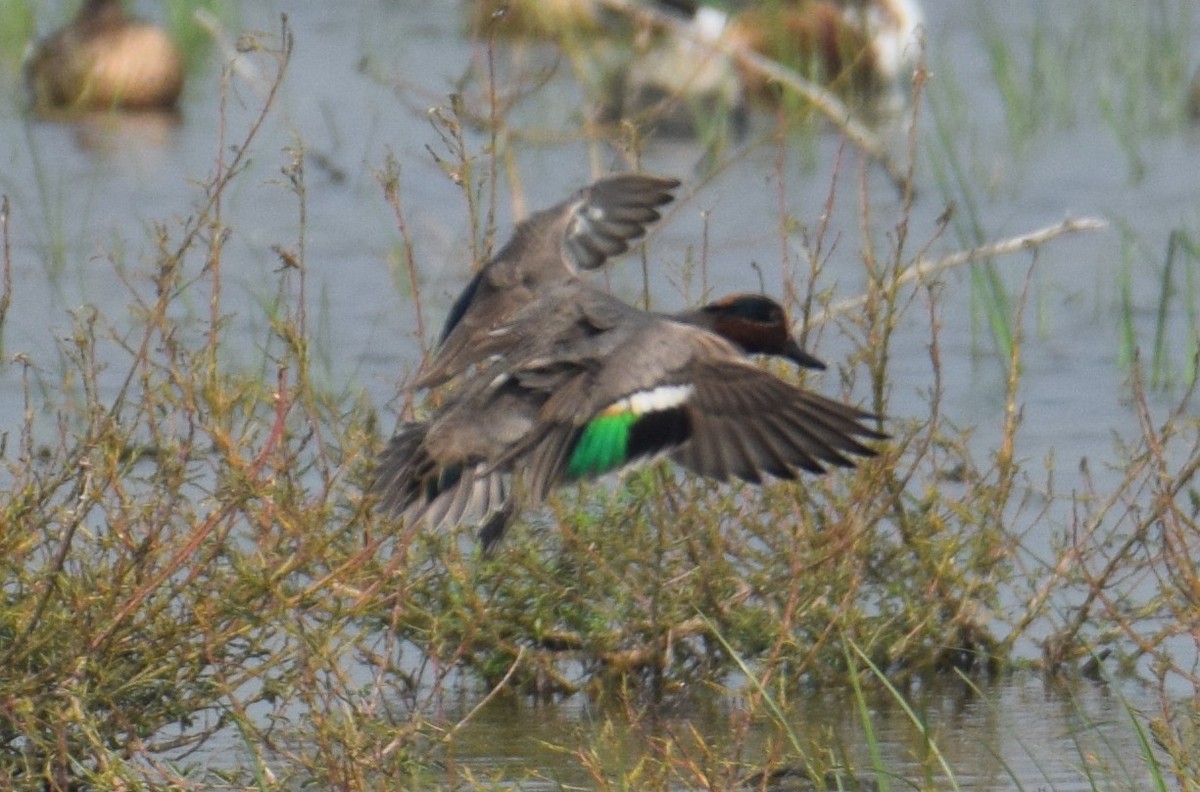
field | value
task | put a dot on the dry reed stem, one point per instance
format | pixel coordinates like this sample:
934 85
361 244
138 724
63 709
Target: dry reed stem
924 269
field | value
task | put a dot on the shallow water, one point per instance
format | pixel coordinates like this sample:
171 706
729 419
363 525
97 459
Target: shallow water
1022 734
362 78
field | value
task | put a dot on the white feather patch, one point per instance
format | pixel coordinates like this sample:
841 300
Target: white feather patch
657 399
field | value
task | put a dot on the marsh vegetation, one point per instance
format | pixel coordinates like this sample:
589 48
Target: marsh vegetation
197 595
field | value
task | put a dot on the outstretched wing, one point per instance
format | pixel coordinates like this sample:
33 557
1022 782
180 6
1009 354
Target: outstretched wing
746 422
583 232
721 418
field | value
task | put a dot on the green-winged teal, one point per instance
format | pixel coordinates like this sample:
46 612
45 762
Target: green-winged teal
105 59
551 246
588 385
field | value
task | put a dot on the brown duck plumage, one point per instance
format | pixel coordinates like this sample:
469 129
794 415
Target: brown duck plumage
574 359
105 59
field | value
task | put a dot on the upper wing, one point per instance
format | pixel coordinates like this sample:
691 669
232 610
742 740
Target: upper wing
583 232
610 213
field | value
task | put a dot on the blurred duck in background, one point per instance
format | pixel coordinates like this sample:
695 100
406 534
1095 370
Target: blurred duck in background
681 84
859 44
681 68
555 19
104 59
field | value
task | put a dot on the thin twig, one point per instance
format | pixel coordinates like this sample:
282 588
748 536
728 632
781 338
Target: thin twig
232 53
925 268
6 292
498 688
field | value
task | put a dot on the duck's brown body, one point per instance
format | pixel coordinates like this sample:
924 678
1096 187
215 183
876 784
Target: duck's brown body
582 384
860 45
559 381
104 59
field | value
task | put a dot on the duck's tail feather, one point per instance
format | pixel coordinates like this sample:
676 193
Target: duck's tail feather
412 487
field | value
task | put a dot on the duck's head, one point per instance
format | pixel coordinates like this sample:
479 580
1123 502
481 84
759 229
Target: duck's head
101 13
756 324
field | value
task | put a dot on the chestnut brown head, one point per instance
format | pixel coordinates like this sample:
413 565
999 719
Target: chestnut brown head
756 324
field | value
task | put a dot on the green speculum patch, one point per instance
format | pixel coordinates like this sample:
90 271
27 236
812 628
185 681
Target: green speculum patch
602 446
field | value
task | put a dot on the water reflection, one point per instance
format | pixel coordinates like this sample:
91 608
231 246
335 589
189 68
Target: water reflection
1021 733
106 134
